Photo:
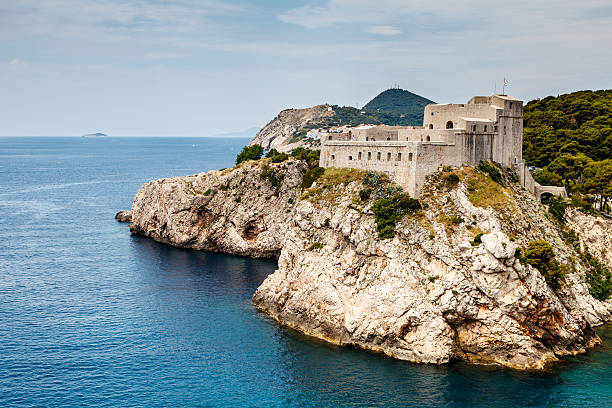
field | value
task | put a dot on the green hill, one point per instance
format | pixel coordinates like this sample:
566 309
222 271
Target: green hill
399 102
570 138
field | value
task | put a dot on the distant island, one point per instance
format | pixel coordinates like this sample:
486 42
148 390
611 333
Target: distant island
95 135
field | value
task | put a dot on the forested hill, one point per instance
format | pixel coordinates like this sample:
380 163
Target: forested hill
399 102
570 138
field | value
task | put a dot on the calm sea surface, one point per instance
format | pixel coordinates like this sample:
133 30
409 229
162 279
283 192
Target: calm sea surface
92 316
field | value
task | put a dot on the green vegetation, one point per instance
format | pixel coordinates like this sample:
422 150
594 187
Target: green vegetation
598 277
276 157
274 176
311 176
477 239
450 180
491 170
388 211
399 102
556 207
250 153
570 139
315 245
540 255
309 156
207 192
484 192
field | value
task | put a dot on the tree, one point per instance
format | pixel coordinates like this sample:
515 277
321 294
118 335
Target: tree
253 152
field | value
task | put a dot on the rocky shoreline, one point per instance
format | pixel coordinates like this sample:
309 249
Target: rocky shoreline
431 294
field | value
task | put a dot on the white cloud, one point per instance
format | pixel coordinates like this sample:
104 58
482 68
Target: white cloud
383 30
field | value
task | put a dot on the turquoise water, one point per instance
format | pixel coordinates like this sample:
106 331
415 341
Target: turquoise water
92 316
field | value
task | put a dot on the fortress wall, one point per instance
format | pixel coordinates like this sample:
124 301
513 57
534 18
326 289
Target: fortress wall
476 148
397 159
421 134
430 157
439 115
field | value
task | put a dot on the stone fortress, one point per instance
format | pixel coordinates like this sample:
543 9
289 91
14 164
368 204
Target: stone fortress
486 128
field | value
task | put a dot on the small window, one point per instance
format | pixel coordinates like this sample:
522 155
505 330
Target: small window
399 157
449 124
428 139
409 156
388 138
369 155
431 125
378 156
431 113
485 128
359 156
473 128
495 128
333 157
389 156
350 157
510 105
367 138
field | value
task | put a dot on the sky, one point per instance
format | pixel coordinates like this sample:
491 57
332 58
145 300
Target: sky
204 67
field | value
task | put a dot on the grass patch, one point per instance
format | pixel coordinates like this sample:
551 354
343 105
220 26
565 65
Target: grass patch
484 192
315 245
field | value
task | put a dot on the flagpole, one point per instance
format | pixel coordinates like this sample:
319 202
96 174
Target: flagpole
504 87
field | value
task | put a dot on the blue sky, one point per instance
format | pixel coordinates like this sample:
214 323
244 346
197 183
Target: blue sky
194 68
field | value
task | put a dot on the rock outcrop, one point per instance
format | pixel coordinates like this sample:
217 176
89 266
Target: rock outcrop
124 216
237 211
431 294
278 133
594 233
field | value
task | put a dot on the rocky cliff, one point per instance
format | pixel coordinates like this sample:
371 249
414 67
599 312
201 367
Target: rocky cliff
449 285
278 133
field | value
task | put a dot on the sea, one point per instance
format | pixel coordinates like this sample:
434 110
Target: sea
92 316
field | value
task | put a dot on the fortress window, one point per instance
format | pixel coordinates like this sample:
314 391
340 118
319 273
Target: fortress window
367 138
369 155
428 139
333 157
399 157
409 156
359 156
330 137
449 124
473 128
495 128
388 138
350 157
510 105
485 128
431 113
378 156
431 125
389 156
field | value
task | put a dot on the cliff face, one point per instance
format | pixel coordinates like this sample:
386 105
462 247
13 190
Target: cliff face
430 294
594 233
236 211
278 132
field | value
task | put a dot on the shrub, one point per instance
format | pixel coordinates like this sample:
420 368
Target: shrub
279 158
207 192
274 176
478 239
388 211
451 180
250 153
556 207
365 194
309 156
540 255
315 245
271 153
492 171
311 176
598 278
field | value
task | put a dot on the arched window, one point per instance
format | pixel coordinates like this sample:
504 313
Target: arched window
388 138
369 155
359 156
409 156
431 125
350 157
330 137
428 139
333 157
399 157
473 128
485 128
449 124
389 156
378 156
367 138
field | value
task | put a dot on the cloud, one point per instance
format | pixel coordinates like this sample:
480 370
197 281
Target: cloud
383 30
